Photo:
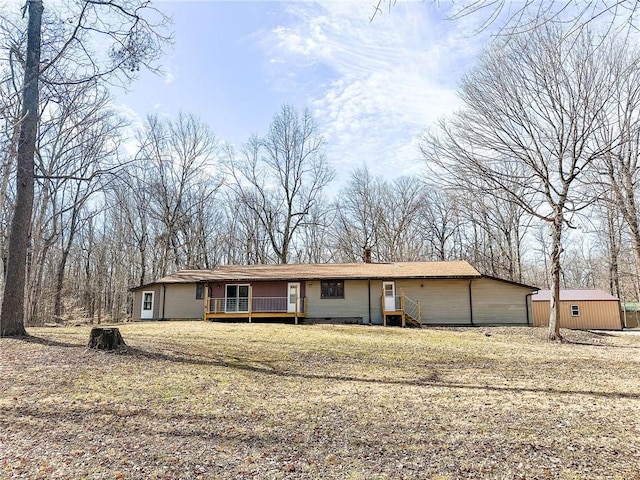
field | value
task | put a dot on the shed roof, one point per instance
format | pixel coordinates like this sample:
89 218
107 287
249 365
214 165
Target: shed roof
575 295
319 271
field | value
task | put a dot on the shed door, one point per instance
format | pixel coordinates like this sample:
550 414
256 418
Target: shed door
146 309
389 294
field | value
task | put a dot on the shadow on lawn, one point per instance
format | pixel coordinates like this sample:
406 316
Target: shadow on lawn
431 380
590 344
50 343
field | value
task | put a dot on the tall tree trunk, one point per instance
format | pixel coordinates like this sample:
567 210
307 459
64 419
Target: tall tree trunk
554 298
613 247
12 315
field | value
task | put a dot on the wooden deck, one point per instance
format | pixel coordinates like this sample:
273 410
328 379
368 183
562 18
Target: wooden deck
255 308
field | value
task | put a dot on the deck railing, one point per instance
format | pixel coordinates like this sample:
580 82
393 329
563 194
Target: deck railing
258 305
405 306
399 302
413 309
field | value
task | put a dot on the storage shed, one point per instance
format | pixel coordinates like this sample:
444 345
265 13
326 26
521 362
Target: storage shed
631 314
579 310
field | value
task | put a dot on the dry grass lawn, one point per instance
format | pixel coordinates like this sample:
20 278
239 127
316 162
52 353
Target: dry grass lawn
205 401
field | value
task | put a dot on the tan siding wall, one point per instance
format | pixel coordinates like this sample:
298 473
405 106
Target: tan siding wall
354 304
137 301
540 314
444 302
497 302
604 315
181 302
135 310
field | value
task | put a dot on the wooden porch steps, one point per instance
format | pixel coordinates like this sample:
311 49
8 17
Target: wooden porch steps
412 322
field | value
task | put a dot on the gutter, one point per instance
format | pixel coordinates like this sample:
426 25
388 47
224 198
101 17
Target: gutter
164 297
369 291
526 306
470 303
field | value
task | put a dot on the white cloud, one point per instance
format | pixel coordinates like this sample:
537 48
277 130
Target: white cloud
169 76
385 81
134 122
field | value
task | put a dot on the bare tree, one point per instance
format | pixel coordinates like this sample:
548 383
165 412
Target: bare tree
315 245
441 222
78 163
281 176
493 231
400 234
132 42
10 107
527 130
12 314
399 220
511 17
359 215
519 17
620 171
181 155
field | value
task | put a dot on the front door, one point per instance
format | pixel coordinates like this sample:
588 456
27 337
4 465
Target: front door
293 298
146 309
389 294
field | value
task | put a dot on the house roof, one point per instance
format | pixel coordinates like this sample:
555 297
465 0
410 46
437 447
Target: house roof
342 271
575 295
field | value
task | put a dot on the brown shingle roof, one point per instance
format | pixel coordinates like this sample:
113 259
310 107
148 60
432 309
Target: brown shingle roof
342 271
574 295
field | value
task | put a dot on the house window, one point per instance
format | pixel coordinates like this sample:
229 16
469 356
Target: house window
332 289
199 291
237 299
575 310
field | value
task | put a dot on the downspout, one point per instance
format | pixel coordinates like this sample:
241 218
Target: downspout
470 303
369 291
527 297
164 296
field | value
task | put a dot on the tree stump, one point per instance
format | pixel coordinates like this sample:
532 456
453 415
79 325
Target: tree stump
105 338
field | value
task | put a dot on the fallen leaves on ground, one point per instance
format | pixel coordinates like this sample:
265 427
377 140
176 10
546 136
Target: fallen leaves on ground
197 400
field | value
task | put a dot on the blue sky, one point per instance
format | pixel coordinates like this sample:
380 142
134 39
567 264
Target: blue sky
373 87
